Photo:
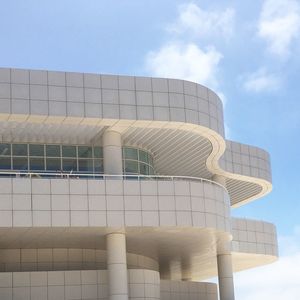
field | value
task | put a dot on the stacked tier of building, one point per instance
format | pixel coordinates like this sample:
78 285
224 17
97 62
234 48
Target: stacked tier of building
119 187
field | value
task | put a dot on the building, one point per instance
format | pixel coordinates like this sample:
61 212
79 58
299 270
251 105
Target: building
118 187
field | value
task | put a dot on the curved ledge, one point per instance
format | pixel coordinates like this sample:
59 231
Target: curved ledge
170 289
246 160
254 243
251 236
91 284
248 172
51 259
160 201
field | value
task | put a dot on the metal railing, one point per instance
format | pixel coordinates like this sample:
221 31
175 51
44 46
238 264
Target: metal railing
82 175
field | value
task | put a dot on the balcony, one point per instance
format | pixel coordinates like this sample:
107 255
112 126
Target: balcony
76 199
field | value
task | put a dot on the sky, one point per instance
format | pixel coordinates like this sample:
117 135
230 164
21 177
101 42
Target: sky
247 51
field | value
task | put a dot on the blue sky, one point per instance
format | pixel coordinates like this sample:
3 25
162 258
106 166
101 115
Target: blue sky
247 51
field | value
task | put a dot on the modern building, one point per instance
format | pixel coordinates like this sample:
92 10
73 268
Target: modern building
118 187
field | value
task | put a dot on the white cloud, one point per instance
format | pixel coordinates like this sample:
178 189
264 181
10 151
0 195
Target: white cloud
185 61
261 81
203 23
279 25
184 58
280 280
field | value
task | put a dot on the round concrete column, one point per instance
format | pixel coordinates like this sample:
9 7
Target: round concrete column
226 287
117 266
112 152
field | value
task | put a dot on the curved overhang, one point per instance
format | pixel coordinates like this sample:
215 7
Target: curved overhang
254 243
247 170
254 237
180 122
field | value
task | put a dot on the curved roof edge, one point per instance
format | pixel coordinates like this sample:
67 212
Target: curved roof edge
83 95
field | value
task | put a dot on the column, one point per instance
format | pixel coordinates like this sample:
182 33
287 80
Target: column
115 242
112 152
225 276
117 266
224 261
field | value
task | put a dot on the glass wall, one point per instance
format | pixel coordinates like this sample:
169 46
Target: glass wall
137 161
51 158
69 158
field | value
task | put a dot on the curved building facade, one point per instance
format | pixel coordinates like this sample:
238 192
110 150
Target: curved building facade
119 187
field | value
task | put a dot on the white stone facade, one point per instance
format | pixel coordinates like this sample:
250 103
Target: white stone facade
119 187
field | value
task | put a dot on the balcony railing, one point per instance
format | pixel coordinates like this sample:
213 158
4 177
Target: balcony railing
73 175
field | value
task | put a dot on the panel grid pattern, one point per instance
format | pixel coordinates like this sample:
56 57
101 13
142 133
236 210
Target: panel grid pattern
75 285
246 160
49 93
51 259
185 290
45 202
250 236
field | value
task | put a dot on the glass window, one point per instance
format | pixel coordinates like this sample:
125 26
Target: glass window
143 156
69 151
98 152
131 167
19 149
85 152
137 161
36 150
20 163
53 150
37 164
144 169
53 164
4 149
85 165
53 157
98 165
69 165
130 153
5 163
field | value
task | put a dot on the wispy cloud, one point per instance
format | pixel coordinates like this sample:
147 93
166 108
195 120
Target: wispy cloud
279 25
276 281
261 81
189 52
201 23
185 61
